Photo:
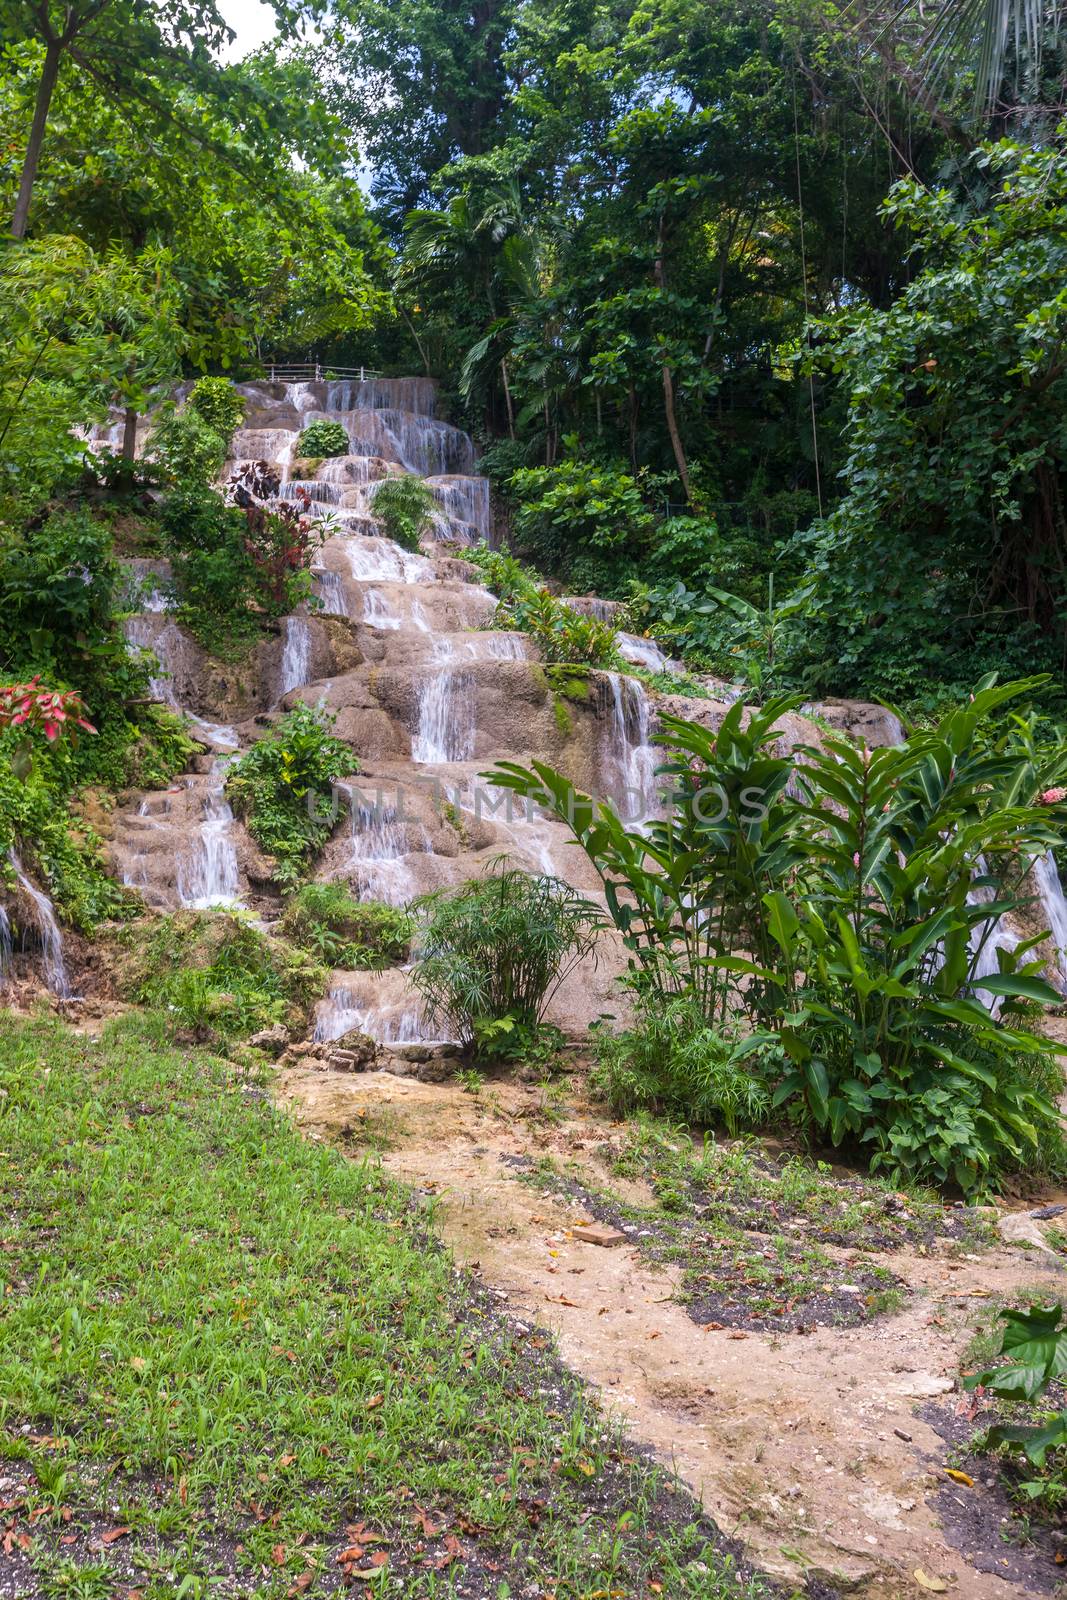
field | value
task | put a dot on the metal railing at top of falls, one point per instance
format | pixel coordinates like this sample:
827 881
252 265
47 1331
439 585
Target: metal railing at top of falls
314 372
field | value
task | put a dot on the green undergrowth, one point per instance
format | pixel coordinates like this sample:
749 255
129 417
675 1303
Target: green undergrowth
670 682
360 935
214 976
763 1243
233 1362
996 1430
755 1187
283 788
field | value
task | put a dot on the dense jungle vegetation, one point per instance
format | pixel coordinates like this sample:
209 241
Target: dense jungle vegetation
757 315
755 310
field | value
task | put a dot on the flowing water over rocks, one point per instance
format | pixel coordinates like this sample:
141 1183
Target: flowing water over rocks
802 1443
49 935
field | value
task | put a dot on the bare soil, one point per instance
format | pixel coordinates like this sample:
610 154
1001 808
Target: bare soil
809 1448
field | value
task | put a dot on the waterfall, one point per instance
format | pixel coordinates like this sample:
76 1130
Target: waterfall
48 931
327 494
631 757
642 653
378 845
463 500
418 395
1050 889
295 657
207 874
377 612
331 592
382 561
445 727
499 647
5 944
344 1009
142 635
591 605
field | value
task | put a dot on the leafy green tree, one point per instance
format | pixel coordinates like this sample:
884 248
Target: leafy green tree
423 82
77 330
146 57
950 538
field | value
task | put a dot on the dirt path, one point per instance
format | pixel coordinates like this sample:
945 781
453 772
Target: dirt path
807 1447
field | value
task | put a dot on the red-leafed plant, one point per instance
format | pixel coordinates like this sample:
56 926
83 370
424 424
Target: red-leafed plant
280 539
52 711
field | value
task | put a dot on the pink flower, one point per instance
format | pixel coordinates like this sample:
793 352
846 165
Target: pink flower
1053 797
856 859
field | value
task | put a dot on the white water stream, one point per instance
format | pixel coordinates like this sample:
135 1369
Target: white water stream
295 655
207 871
53 956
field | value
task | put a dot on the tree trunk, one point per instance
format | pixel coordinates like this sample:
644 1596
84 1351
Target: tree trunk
129 435
672 429
507 399
668 376
49 72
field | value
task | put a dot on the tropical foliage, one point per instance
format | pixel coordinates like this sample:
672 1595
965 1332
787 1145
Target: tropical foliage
322 439
491 955
284 787
846 901
403 508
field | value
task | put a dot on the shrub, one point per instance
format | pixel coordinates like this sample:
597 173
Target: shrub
218 403
196 517
323 439
232 567
280 540
502 573
404 507
67 860
188 449
842 902
496 950
361 935
579 509
670 1061
562 634
1034 1344
216 975
283 788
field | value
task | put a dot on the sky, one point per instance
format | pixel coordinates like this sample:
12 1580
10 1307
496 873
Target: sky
251 21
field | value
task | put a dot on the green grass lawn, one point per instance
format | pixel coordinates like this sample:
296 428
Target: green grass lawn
234 1363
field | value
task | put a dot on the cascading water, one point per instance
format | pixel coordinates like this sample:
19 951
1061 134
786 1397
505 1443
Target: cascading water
377 612
464 503
207 873
382 561
445 728
331 592
53 959
378 844
295 655
325 494
141 634
1054 906
631 758
6 947
499 647
642 653
347 1007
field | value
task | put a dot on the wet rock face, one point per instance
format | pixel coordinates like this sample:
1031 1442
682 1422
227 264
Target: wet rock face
399 646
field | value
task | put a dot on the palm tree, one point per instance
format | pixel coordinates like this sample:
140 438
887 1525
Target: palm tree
957 39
